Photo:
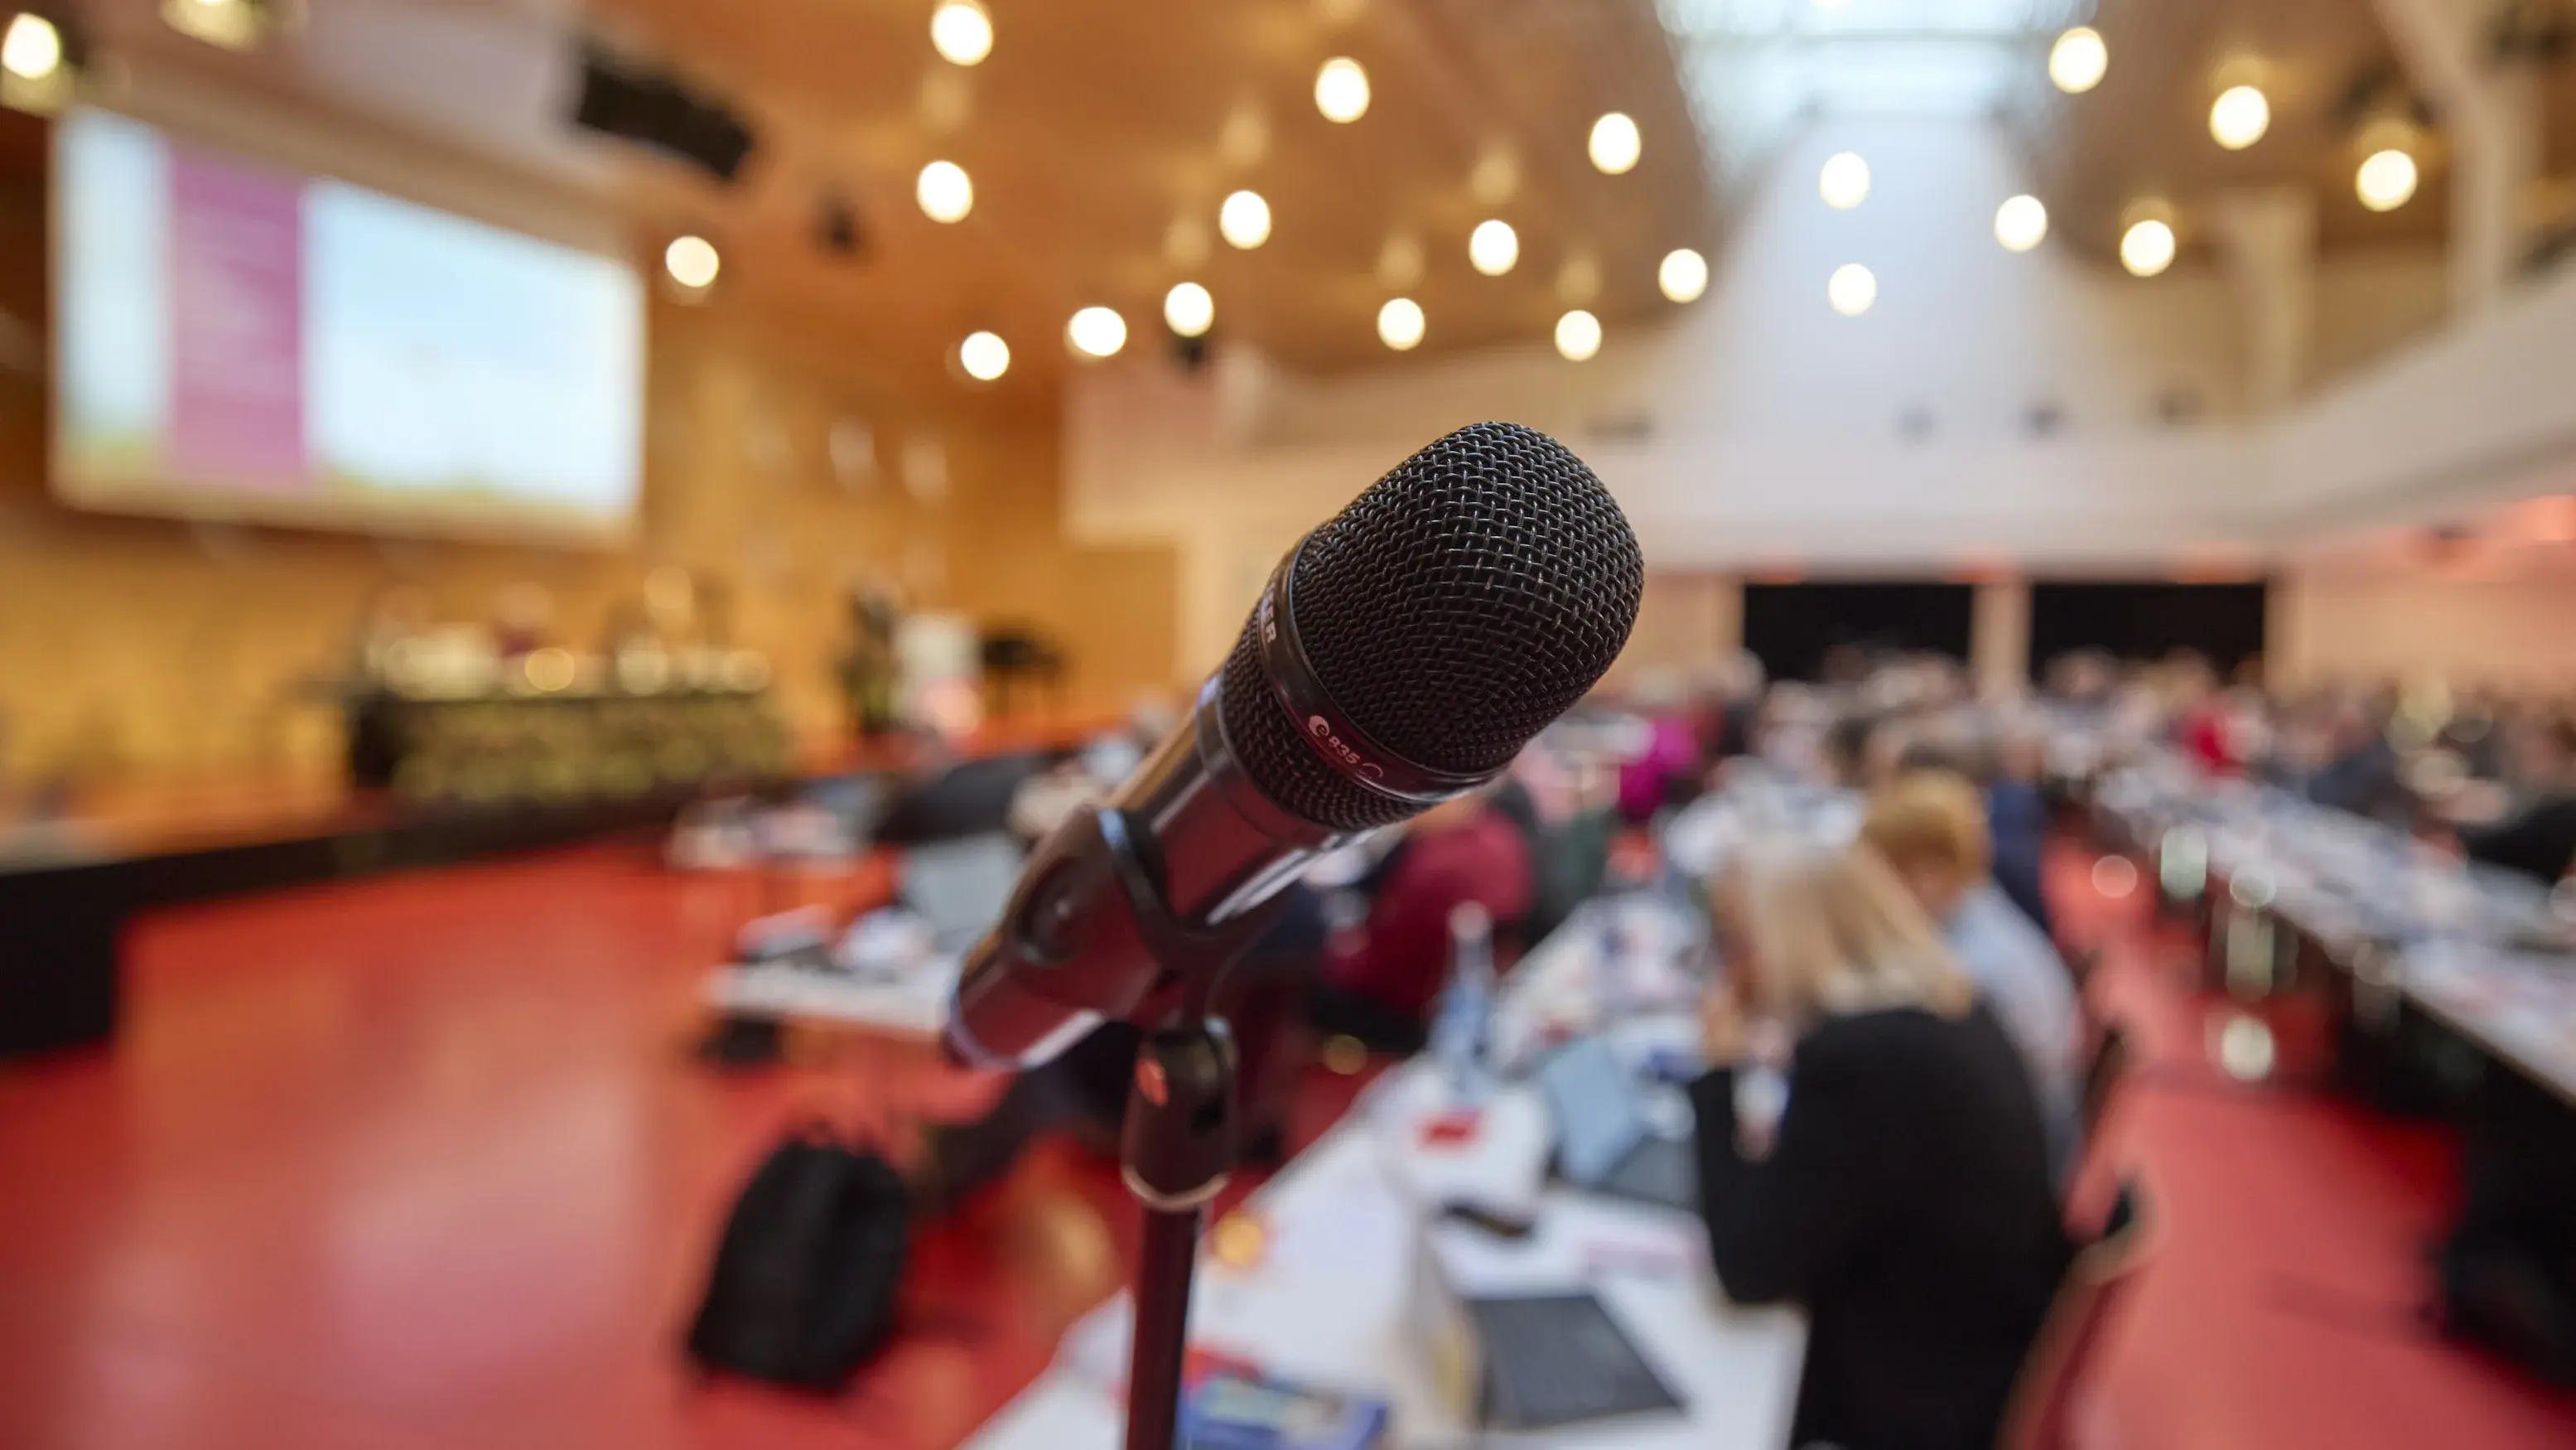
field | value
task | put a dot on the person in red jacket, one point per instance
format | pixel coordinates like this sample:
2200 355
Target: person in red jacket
1381 980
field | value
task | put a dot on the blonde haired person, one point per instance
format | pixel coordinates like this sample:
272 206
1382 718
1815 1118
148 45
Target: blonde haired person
1930 825
1903 1193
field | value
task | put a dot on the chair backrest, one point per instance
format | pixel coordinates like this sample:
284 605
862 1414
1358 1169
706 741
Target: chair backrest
2070 1341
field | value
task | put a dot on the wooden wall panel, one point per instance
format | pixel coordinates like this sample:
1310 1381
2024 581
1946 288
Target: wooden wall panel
141 647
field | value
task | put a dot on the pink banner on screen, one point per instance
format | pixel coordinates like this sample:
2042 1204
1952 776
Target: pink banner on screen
236 325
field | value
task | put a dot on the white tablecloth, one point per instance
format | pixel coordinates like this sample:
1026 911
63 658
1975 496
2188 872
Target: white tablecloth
1334 1300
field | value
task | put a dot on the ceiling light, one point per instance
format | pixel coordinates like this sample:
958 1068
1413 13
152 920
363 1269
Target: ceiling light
692 262
1683 275
2021 223
1493 247
2147 247
1096 332
2078 59
1851 289
1399 323
1189 310
229 24
32 49
1342 90
2239 117
1615 144
961 31
945 191
984 356
1844 183
1578 335
2386 180
1244 220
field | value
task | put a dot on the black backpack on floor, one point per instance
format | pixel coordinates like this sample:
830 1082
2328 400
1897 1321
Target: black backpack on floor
803 1287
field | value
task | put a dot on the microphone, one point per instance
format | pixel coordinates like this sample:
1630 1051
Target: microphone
1401 654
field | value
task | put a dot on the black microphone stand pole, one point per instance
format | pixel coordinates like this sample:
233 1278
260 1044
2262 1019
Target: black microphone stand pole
1177 1150
1177 1144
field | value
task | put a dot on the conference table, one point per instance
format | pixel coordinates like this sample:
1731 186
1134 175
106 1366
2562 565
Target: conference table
2489 955
1351 1255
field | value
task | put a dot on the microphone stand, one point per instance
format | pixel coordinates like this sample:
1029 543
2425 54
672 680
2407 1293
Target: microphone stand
1176 1145
1177 1149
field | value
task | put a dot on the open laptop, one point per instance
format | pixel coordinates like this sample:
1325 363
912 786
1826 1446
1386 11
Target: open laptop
1525 1360
960 886
1605 1141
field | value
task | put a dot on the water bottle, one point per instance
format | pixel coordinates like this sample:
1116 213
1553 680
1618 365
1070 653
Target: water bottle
1459 1034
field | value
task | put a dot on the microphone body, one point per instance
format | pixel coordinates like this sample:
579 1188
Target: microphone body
1188 841
1401 655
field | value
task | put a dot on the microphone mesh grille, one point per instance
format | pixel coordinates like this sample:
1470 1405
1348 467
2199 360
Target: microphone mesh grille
1464 601
1287 769
1469 597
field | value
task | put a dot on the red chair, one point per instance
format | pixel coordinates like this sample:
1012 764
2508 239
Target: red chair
2042 1413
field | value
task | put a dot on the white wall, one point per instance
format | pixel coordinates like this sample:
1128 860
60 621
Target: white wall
2480 413
2329 625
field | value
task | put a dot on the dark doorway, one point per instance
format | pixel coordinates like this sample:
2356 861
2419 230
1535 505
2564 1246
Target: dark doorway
1793 627
2147 620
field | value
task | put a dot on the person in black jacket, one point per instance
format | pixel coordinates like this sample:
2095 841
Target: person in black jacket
1903 1194
2539 839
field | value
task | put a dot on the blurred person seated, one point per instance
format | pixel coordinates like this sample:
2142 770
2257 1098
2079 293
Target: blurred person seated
2201 715
1931 827
1567 812
2538 837
1866 748
2015 817
1667 766
1730 698
1082 1092
1381 978
2361 771
1903 1193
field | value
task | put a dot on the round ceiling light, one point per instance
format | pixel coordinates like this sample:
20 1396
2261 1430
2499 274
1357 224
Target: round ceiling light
1494 247
1578 335
984 356
2239 117
1683 275
1244 220
1096 332
2021 223
1615 144
2078 60
1852 290
1400 323
1189 310
944 190
692 262
1844 181
2147 247
1342 90
2386 180
32 49
961 31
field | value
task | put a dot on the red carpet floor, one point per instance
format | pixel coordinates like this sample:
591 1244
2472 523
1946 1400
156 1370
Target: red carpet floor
422 1163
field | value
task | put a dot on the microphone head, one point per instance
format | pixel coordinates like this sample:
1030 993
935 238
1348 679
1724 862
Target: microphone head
1452 611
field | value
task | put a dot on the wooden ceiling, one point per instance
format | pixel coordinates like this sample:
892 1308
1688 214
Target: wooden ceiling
2144 131
1096 129
1094 132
